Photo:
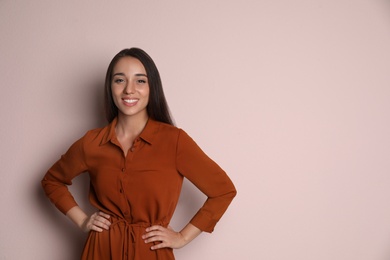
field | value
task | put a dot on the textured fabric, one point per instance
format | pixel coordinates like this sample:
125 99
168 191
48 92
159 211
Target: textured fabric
139 190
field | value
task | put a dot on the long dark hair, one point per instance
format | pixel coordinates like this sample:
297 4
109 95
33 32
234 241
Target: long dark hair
157 107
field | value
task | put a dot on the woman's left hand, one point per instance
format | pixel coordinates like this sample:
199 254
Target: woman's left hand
167 236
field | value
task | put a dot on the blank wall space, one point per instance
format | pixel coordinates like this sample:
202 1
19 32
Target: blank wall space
291 98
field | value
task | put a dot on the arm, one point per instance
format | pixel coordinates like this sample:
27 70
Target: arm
60 175
55 184
205 174
189 232
209 178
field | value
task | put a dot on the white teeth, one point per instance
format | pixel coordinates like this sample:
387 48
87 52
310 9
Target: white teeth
130 101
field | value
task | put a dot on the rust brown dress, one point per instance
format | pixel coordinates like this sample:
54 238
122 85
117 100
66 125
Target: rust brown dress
139 190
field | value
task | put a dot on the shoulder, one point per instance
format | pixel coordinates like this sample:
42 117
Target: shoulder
164 127
175 134
97 135
164 131
167 129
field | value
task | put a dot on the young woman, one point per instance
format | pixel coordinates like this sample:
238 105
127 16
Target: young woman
136 166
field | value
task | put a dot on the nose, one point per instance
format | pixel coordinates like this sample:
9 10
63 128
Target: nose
129 88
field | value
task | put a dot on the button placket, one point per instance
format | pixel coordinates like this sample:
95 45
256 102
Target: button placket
125 206
135 145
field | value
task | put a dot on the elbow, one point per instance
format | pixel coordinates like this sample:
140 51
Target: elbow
231 193
233 190
234 193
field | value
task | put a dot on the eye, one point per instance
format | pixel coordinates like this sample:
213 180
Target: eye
141 81
118 80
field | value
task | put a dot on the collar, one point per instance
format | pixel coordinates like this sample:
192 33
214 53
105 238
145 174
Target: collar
147 134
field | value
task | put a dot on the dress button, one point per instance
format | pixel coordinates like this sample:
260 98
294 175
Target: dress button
132 149
123 169
121 191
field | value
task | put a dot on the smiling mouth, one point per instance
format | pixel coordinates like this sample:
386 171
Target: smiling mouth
130 101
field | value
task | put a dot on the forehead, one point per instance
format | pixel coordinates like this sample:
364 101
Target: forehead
129 65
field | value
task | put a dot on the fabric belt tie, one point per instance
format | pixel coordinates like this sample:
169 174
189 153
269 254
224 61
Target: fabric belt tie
130 234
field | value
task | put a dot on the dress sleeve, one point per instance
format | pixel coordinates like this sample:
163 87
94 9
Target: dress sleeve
208 177
60 175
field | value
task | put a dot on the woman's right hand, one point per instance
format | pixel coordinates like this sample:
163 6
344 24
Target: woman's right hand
98 221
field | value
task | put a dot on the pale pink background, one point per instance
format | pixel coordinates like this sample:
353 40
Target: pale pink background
291 98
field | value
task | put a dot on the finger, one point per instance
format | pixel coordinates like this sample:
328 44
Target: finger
94 215
91 226
155 239
159 246
100 224
103 220
104 215
96 228
155 231
155 227
152 234
98 221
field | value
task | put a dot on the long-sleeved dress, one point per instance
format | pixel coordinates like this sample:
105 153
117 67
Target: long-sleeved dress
140 189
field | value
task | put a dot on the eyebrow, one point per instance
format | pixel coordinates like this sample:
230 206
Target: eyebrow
123 74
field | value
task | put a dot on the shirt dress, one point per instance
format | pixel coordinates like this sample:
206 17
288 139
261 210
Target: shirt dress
140 189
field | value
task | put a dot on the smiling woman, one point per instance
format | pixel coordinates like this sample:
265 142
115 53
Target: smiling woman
130 92
136 166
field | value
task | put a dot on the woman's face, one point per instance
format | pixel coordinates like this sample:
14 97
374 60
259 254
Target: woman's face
130 87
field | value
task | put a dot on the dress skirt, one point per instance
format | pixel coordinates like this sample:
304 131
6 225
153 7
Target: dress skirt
123 241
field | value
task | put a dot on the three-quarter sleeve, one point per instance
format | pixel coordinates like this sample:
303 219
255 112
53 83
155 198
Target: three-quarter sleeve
61 174
208 177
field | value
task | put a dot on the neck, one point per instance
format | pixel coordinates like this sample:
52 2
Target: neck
130 126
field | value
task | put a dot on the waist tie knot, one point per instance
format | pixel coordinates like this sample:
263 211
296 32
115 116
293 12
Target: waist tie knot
129 234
